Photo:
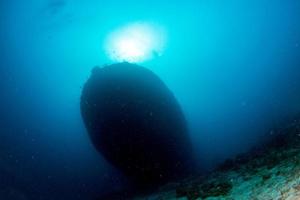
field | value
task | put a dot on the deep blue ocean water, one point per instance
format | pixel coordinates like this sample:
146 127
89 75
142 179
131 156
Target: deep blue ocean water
234 67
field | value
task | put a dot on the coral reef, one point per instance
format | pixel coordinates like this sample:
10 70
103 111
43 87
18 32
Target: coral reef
268 172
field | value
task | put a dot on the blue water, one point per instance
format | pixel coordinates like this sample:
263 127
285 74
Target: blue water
234 67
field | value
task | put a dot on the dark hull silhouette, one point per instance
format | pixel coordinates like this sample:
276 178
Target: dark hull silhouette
134 120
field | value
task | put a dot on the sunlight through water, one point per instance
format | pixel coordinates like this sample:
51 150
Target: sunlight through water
135 42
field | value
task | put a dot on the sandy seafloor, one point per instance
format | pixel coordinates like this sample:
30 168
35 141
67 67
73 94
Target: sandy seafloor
268 172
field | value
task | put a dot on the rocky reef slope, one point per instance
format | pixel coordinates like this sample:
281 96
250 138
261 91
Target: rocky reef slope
268 172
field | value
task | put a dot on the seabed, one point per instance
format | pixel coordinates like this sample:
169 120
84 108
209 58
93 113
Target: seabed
268 172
